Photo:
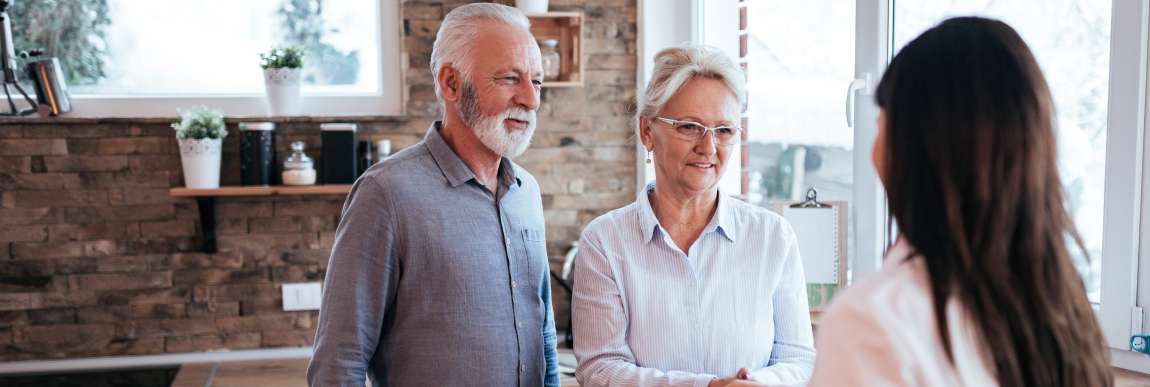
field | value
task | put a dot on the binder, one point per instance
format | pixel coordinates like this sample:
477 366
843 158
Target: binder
821 231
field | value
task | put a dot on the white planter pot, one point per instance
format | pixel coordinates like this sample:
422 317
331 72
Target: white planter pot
201 159
531 6
282 87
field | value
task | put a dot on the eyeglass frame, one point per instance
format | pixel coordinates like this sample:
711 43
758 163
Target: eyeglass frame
714 139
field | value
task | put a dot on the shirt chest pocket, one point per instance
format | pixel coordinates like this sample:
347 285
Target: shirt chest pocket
535 253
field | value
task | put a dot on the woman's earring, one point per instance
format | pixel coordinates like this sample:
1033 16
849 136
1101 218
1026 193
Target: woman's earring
648 157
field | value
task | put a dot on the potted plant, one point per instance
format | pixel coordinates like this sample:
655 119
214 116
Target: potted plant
282 68
201 133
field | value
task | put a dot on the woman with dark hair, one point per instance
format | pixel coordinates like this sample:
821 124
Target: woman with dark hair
979 289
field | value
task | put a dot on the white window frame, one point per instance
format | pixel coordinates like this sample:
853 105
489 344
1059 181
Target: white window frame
868 217
1126 266
1124 159
389 101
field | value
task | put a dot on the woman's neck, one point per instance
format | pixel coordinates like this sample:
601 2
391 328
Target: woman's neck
683 215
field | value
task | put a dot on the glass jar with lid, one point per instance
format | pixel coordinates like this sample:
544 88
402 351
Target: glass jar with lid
298 168
549 50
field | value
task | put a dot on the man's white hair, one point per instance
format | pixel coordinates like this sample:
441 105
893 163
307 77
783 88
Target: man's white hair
456 37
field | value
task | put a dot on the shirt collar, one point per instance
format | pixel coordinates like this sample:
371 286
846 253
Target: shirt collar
720 223
454 169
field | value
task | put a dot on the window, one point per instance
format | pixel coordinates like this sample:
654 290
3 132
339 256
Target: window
800 59
147 57
1074 55
803 55
1071 40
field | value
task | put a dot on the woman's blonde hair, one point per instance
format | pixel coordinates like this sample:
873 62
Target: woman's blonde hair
675 66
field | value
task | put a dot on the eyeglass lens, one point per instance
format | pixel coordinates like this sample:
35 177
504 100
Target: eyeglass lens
691 131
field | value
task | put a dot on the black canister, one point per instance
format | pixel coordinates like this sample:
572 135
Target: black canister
365 158
257 152
338 153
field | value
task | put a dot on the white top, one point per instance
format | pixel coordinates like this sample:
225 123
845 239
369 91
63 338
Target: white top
648 314
882 332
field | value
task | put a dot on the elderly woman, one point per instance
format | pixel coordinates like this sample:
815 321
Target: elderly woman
688 286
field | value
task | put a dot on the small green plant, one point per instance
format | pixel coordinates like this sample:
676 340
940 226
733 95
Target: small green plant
283 56
199 123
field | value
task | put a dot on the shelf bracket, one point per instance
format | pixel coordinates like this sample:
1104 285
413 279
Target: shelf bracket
207 205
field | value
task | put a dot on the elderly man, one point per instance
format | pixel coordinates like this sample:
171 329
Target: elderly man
438 275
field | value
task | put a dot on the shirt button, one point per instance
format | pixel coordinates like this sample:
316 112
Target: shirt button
512 284
507 241
519 324
696 327
522 367
692 284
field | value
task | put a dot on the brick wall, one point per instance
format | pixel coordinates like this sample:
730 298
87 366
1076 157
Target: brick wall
97 259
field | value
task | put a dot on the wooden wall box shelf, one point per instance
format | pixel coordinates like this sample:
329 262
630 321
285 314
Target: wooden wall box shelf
206 201
567 28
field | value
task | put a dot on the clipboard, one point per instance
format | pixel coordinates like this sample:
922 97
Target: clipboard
821 230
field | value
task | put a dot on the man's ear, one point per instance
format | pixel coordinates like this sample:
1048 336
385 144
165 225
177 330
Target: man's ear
449 82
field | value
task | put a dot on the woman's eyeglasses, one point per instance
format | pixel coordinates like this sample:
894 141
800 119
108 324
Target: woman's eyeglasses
694 131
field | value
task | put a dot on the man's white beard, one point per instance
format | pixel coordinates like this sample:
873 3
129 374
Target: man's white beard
491 130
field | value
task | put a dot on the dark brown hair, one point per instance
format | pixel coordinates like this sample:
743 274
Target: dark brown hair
973 185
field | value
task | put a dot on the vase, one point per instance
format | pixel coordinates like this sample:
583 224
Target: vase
282 87
531 6
201 159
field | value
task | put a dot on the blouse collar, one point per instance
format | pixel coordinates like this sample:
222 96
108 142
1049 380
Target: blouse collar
720 223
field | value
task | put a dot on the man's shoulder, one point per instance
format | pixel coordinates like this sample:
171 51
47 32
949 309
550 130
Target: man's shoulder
400 167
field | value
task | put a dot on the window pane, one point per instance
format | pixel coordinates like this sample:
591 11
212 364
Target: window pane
1071 40
204 46
800 62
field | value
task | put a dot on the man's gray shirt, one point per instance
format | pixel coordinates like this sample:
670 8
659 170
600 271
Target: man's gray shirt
435 281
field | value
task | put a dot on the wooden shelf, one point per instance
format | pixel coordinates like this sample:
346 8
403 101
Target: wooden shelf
206 201
265 190
567 28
